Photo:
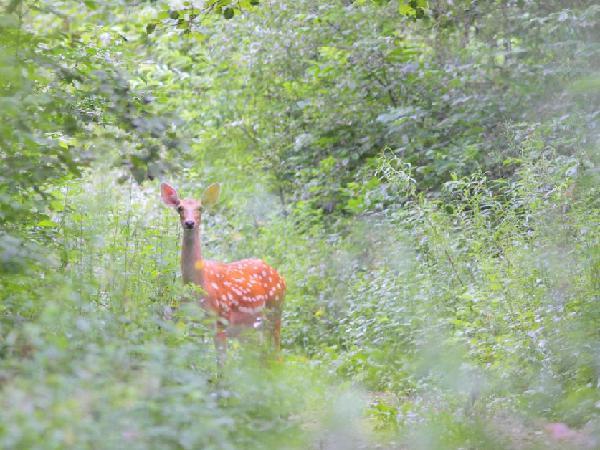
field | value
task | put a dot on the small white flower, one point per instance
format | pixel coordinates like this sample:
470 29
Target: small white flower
105 39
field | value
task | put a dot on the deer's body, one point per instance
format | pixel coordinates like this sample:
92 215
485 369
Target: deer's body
243 293
241 288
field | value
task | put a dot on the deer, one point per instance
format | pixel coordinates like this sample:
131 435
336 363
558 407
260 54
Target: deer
243 294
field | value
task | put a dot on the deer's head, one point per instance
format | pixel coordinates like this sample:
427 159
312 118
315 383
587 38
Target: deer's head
189 209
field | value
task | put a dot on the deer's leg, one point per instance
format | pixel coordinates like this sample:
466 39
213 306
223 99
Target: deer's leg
277 330
262 328
274 326
220 344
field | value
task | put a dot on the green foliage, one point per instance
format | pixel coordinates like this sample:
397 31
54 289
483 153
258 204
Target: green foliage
338 89
424 175
101 365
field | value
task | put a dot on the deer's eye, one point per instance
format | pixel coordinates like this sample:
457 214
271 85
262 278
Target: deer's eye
180 209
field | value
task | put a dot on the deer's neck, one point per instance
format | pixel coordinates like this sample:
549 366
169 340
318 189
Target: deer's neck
191 257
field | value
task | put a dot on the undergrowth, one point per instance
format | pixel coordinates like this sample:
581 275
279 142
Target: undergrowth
435 317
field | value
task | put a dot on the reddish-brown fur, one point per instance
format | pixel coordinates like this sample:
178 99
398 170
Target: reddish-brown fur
242 293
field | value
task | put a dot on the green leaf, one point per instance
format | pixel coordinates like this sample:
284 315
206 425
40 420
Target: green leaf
405 9
91 4
228 13
46 223
57 205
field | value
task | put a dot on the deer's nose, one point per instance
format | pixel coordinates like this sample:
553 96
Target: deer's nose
189 224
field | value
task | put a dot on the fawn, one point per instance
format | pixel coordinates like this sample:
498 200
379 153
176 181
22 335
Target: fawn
242 293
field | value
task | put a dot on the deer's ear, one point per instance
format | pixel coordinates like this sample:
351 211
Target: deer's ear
210 196
169 194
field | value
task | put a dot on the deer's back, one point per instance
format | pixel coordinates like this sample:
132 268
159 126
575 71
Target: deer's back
246 286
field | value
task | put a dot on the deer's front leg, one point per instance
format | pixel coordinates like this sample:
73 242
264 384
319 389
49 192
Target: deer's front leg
220 344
